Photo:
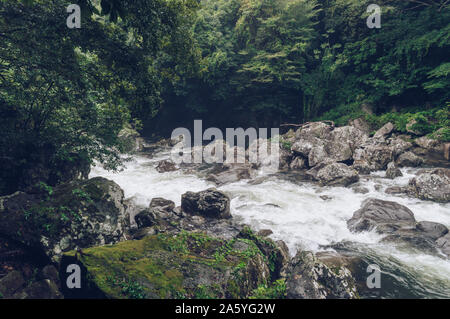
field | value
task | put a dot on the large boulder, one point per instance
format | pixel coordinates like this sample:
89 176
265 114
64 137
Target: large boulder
384 216
349 135
320 130
310 278
337 174
210 204
74 215
431 185
188 265
374 156
385 131
397 222
409 159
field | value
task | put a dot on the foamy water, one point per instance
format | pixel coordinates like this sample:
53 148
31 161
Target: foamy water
297 215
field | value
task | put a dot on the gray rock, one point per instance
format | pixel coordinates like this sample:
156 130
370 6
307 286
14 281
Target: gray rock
443 244
309 278
392 171
11 283
409 159
298 163
166 166
233 174
385 131
210 203
385 216
335 174
431 185
76 215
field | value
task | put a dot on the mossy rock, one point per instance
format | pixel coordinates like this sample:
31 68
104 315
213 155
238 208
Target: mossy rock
187 265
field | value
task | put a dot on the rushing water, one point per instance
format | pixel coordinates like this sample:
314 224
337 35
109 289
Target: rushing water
297 214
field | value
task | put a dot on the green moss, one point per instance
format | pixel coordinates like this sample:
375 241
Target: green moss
277 290
158 265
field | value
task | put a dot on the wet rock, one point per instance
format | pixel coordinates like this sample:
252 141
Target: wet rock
145 218
431 185
398 223
78 214
326 198
298 163
360 190
210 203
443 244
233 174
264 232
11 283
392 171
384 216
335 174
43 289
166 166
309 278
395 190
409 159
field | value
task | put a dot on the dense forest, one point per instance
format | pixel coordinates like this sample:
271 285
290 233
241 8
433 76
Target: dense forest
65 94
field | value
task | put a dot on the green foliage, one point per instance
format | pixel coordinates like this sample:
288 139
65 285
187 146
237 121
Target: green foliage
264 62
277 290
65 94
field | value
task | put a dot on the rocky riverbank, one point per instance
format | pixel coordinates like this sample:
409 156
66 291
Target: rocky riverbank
198 248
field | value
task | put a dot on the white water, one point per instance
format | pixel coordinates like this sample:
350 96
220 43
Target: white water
303 220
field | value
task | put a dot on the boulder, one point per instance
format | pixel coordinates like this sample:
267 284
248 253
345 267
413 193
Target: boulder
188 265
397 222
409 159
298 163
166 166
384 216
11 283
309 278
320 130
431 185
374 156
349 135
385 131
74 215
233 173
443 244
337 174
210 204
392 171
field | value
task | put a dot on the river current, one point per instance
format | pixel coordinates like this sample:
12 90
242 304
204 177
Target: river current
297 214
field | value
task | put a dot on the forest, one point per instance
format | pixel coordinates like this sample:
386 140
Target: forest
65 94
103 196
